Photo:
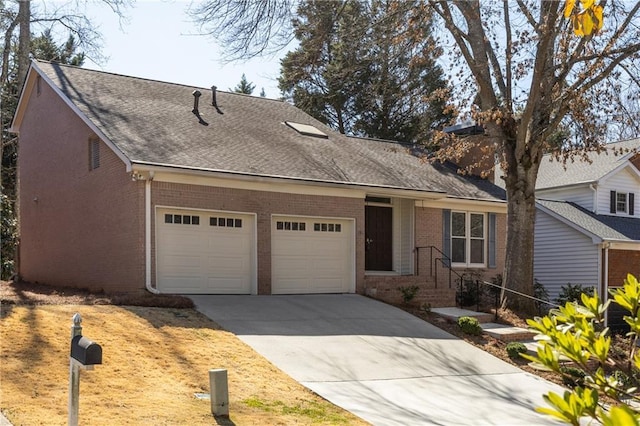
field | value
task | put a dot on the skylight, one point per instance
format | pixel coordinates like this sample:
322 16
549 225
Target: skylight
306 129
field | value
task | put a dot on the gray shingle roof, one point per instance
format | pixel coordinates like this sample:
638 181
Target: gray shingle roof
151 122
605 227
553 173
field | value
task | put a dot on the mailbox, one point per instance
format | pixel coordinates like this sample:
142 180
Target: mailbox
85 351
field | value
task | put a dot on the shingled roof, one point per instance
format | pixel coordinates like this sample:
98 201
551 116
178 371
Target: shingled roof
605 227
554 173
152 123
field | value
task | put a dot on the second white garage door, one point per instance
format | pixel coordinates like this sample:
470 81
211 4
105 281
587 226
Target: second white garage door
204 252
312 255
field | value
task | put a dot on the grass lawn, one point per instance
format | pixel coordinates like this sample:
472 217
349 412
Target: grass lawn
154 361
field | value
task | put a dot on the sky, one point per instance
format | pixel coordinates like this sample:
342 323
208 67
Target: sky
159 42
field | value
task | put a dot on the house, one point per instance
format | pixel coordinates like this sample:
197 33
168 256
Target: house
588 219
129 184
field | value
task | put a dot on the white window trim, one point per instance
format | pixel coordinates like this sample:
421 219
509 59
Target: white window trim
626 202
468 238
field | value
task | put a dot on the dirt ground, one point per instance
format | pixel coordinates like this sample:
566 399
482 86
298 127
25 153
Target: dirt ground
157 352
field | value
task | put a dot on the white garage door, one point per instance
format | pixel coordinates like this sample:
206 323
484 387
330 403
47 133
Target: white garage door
200 252
312 255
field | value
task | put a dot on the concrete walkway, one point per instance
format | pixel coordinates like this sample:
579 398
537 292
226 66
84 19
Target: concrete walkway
377 361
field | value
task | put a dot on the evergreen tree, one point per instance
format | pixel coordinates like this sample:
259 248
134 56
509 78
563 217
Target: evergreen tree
244 86
358 70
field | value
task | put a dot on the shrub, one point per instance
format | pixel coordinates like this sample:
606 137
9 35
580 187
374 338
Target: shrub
540 292
468 294
572 293
409 292
572 376
470 325
514 349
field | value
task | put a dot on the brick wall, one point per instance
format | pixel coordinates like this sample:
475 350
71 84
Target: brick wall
621 263
79 228
264 204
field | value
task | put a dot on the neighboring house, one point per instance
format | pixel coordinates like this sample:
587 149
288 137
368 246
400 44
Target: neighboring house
588 219
127 183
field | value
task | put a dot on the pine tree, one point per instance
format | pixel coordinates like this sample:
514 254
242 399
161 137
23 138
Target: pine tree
244 86
358 71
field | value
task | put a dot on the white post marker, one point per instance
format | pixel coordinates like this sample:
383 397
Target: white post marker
219 392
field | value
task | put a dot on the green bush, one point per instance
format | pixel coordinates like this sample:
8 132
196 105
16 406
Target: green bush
470 325
408 292
572 376
572 293
514 349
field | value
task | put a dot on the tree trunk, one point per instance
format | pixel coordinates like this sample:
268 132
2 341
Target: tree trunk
24 46
521 213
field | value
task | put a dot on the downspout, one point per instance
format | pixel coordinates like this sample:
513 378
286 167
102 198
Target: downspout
606 278
147 233
593 187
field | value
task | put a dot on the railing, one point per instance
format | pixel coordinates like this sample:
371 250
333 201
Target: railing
444 260
539 302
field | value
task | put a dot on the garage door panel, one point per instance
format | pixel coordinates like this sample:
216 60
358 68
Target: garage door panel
180 261
205 259
316 260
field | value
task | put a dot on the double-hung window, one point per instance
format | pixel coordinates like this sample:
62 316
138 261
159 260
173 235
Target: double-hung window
468 239
621 202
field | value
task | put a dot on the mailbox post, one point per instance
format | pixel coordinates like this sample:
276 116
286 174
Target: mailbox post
84 355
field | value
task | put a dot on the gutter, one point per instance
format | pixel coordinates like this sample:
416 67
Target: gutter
147 234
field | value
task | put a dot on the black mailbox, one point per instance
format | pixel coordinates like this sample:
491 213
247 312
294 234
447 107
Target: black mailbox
85 351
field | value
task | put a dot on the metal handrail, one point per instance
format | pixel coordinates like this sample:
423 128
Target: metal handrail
444 261
536 299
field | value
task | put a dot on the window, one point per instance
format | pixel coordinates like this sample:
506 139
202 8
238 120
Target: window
179 219
226 222
306 129
621 202
291 226
468 239
327 227
94 154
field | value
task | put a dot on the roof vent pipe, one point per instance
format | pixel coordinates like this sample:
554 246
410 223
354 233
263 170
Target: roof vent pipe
214 101
196 99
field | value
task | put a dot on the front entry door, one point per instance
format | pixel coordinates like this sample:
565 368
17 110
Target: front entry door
378 238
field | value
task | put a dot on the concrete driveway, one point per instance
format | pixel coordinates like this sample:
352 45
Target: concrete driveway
379 362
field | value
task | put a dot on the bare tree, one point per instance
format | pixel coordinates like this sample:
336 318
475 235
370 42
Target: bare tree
534 76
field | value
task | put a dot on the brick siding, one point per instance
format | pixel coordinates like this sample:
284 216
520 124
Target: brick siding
78 227
621 263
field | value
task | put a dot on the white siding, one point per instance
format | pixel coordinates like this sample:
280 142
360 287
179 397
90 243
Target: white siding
406 235
623 181
563 255
582 196
403 242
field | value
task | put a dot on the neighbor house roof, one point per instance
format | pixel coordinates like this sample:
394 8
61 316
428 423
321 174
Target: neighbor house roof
555 173
151 123
604 227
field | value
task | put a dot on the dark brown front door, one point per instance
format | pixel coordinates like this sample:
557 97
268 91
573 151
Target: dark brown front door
378 226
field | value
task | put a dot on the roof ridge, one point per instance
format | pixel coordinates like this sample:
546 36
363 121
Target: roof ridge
150 79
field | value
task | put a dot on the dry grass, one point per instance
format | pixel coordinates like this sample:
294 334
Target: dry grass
154 361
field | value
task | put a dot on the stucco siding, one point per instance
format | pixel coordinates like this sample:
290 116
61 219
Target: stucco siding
78 227
623 181
563 255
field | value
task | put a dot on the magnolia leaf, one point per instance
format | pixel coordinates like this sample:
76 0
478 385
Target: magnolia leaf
620 415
